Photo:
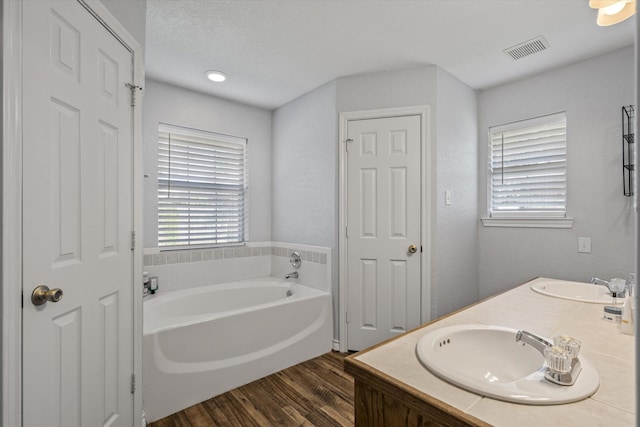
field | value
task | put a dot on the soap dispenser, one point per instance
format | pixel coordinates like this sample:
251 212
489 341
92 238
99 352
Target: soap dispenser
153 284
627 320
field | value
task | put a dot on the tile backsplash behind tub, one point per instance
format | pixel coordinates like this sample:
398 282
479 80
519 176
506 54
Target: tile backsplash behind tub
180 269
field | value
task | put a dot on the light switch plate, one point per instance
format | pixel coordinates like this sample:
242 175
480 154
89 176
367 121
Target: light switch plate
584 245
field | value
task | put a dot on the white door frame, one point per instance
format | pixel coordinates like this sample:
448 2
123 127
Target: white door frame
11 234
424 111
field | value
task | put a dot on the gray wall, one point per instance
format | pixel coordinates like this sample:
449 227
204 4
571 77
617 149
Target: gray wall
305 188
304 169
388 89
455 242
592 93
304 181
453 153
293 166
132 14
400 88
169 104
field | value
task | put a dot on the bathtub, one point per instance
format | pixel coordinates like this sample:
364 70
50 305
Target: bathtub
204 341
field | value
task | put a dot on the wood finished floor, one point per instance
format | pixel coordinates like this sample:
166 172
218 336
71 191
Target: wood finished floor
314 393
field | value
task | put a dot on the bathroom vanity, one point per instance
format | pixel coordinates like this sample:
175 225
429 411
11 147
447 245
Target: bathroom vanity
392 387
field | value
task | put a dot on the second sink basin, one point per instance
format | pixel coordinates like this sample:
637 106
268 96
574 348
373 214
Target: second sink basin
487 360
576 291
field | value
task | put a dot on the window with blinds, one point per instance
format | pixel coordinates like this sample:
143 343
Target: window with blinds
527 168
201 188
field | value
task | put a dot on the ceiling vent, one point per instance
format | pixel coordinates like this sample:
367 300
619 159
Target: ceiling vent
527 48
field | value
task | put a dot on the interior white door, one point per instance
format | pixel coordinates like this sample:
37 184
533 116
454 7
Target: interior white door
383 229
77 219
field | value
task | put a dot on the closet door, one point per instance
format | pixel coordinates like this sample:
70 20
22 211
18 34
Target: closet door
383 224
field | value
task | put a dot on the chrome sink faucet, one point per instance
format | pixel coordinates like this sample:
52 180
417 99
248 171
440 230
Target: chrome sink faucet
533 340
565 375
596 281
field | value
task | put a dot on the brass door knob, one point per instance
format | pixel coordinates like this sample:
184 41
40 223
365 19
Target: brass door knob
413 249
41 294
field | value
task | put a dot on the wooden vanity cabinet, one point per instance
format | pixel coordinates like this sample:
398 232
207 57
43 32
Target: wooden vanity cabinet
381 401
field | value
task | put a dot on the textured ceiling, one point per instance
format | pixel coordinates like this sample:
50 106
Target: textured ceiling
277 50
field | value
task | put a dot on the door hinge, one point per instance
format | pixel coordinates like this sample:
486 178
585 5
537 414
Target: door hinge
133 88
22 299
346 317
133 383
346 144
346 232
133 240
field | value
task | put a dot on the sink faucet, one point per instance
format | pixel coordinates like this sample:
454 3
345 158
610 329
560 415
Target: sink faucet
558 377
293 275
596 281
533 340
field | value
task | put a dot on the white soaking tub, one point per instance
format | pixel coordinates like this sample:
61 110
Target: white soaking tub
204 341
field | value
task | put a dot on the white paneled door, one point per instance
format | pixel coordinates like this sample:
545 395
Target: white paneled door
77 218
383 228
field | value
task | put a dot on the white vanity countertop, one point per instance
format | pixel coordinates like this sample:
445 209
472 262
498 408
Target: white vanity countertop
608 349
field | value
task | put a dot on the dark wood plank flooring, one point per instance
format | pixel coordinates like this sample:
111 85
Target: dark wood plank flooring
314 393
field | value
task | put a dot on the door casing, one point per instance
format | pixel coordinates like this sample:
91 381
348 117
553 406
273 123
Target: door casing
11 252
425 203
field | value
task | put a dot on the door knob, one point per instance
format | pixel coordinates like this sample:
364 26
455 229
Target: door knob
413 249
42 294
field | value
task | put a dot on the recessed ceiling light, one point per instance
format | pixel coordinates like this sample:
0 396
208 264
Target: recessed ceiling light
216 76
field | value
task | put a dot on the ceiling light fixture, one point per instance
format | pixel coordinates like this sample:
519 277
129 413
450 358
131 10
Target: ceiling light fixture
216 76
613 11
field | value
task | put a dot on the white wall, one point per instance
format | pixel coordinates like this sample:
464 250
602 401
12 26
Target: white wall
592 93
164 103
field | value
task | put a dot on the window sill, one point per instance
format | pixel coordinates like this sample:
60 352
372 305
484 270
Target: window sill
528 222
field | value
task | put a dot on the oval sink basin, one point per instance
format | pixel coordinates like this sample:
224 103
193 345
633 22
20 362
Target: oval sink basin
576 291
487 360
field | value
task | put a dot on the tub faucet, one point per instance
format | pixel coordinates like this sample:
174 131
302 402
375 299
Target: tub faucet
293 275
533 340
146 285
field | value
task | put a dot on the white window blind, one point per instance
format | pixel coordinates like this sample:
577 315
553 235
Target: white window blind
528 168
201 188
